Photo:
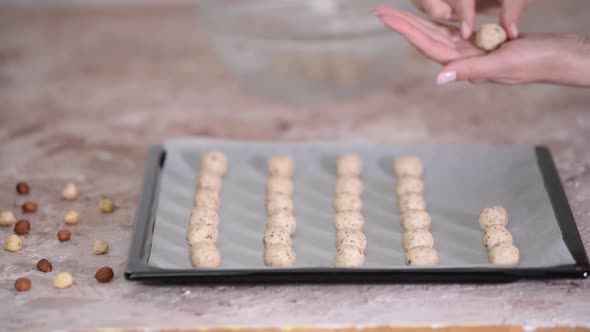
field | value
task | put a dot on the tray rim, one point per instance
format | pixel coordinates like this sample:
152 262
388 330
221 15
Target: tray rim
140 245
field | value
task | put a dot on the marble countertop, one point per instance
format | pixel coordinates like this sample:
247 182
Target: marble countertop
84 92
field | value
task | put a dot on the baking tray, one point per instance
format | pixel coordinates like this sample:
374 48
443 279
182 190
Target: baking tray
460 181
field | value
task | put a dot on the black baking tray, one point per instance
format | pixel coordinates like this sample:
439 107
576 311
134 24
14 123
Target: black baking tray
141 240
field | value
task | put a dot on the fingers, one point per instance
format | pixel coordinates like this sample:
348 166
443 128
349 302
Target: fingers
510 16
465 12
436 9
476 69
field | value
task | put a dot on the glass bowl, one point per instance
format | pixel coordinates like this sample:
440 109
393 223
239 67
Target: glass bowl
304 51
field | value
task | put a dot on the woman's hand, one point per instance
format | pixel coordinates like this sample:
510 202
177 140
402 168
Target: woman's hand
548 58
465 10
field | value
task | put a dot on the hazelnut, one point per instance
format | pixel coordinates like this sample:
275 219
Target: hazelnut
29 207
100 247
22 227
64 235
106 205
70 192
7 218
13 243
44 265
22 188
104 274
63 280
22 284
71 218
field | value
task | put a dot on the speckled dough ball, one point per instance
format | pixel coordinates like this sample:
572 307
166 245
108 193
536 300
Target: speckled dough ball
7 218
279 255
277 203
490 37
276 235
411 202
407 165
349 256
208 181
214 162
281 166
351 237
348 185
347 202
283 219
409 184
418 237
495 234
412 219
349 219
493 215
202 233
349 165
504 254
421 256
13 243
204 255
279 185
204 216
207 199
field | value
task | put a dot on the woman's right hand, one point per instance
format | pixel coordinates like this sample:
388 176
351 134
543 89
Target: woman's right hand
464 11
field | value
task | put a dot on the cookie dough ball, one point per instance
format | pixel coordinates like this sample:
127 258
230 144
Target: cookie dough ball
493 215
204 216
413 219
7 218
279 185
202 233
349 165
279 255
495 234
205 255
279 202
207 199
208 181
283 219
490 37
408 165
349 256
348 185
421 256
214 162
347 202
411 202
281 166
504 254
349 219
351 237
409 184
276 235
13 243
418 237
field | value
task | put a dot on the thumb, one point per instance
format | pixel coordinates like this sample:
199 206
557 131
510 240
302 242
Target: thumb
510 17
480 68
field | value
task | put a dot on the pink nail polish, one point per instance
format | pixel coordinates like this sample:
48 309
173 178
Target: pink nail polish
465 30
446 77
514 30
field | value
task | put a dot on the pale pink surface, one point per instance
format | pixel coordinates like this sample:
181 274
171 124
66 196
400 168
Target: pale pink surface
83 94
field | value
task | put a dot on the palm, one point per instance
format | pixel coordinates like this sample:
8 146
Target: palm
439 42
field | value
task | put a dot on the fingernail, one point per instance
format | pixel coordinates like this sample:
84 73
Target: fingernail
446 77
465 30
514 30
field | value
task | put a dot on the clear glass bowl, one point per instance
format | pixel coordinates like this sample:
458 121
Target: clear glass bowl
304 51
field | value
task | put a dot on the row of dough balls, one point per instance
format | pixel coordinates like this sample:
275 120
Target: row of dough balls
496 238
417 241
280 223
351 242
202 234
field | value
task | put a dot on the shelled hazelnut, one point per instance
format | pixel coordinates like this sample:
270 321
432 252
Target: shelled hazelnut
106 205
71 217
7 218
13 243
100 247
70 192
63 280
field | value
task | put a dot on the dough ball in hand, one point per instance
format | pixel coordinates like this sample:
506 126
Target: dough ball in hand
279 255
493 215
490 37
349 256
495 234
504 254
205 255
421 256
